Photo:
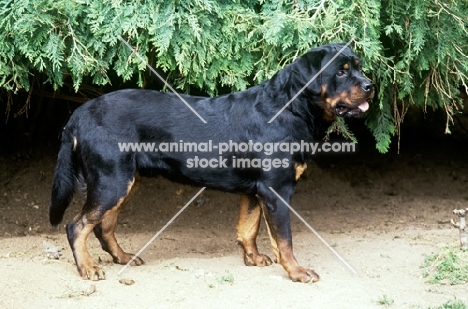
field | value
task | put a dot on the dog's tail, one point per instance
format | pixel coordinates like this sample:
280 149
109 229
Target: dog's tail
65 179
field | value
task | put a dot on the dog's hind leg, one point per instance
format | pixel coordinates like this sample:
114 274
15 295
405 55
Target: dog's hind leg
103 200
104 231
78 231
247 229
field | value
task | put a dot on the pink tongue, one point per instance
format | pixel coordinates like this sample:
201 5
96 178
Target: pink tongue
364 106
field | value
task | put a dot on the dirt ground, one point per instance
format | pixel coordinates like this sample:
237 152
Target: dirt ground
382 213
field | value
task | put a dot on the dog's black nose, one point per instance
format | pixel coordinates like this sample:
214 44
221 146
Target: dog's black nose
367 86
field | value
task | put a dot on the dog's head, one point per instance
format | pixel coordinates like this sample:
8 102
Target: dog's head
343 90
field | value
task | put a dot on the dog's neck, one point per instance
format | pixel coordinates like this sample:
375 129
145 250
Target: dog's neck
305 106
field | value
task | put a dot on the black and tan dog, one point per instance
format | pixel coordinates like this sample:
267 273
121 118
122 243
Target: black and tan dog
90 157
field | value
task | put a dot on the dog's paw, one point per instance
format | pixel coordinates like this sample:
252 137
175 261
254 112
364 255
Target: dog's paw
124 258
257 260
304 275
91 272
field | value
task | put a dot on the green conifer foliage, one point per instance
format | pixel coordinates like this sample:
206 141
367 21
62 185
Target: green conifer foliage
416 51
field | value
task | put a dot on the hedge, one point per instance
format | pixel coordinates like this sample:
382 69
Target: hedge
414 50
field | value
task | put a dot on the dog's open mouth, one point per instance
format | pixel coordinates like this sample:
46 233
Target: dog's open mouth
346 110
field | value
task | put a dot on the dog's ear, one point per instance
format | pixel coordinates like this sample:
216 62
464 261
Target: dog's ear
314 61
315 56
308 65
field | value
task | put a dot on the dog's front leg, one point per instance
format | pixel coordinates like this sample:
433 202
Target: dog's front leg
247 230
279 226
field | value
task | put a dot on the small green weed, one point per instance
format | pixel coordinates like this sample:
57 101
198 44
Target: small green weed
227 278
214 282
455 304
385 301
447 267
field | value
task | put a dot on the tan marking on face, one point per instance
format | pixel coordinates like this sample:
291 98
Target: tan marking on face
353 96
357 95
356 62
328 105
346 66
323 92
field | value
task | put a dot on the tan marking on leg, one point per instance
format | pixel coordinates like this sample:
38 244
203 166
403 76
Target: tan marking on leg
107 226
271 232
86 267
284 254
247 230
290 264
79 229
299 168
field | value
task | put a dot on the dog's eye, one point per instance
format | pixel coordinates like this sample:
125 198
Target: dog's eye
341 73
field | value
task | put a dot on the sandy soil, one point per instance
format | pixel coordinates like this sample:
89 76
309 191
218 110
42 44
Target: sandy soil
383 214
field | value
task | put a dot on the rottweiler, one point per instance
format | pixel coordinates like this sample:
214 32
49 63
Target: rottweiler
91 156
